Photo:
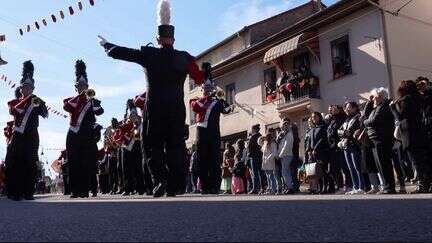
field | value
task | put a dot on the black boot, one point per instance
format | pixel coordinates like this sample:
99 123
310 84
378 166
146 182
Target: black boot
159 190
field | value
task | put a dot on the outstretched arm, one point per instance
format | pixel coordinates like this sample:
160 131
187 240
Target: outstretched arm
123 53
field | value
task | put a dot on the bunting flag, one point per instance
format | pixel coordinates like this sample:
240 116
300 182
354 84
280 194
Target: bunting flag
2 38
54 18
11 84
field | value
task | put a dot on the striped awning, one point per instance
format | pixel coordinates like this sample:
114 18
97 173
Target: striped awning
282 49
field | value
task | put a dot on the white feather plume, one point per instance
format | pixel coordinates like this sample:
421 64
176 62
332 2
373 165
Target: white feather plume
164 12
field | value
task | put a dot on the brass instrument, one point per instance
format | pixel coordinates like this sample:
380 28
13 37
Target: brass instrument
136 134
220 94
90 93
36 101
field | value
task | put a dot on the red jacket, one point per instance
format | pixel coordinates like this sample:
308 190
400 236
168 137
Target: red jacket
139 101
123 134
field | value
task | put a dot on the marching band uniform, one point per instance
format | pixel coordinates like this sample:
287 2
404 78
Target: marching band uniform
65 172
139 102
166 70
208 110
112 154
22 151
125 138
103 177
83 135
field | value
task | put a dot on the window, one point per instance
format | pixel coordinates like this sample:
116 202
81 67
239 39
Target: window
270 83
341 57
301 60
230 93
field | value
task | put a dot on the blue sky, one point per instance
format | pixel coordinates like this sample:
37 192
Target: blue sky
54 49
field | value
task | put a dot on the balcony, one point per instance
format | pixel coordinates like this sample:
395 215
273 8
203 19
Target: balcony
292 98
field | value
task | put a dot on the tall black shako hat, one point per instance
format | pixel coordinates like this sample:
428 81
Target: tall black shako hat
80 73
165 29
27 74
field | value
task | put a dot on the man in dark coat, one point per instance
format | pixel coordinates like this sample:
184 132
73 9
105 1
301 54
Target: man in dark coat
166 70
255 157
380 126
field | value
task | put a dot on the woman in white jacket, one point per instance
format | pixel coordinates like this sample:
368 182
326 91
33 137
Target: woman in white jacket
269 149
285 154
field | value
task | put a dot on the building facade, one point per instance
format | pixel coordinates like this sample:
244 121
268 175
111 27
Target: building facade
347 49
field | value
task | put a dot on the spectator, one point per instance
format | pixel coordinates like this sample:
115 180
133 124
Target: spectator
255 155
227 165
425 89
239 181
285 154
269 149
351 147
337 158
317 148
380 126
412 132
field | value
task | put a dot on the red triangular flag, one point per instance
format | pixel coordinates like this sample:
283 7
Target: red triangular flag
44 22
21 32
53 17
65 116
10 82
28 28
13 86
37 25
91 2
80 6
62 14
71 11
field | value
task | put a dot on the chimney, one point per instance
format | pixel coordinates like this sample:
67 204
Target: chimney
318 4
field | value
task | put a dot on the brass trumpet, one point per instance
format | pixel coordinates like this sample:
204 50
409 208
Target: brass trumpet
90 93
220 94
36 101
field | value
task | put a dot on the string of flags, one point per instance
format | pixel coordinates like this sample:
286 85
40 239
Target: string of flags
12 84
54 17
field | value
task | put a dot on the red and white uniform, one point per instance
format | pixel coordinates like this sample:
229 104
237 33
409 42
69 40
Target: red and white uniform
80 108
207 108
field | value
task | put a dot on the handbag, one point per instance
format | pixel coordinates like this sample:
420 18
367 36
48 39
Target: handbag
314 170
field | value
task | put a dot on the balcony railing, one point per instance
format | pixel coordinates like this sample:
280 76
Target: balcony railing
297 93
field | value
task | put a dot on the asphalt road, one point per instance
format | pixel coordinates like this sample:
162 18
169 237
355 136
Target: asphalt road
222 218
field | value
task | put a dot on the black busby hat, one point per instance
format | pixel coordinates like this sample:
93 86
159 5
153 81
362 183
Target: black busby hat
80 73
256 127
165 29
27 74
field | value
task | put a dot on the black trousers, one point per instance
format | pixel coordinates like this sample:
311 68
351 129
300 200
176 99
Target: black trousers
66 183
82 157
128 170
383 159
420 157
113 173
21 167
166 146
208 158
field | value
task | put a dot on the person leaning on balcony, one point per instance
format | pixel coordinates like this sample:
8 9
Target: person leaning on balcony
412 131
285 154
255 157
351 147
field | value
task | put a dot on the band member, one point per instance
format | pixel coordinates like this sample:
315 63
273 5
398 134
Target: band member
112 155
83 135
22 151
139 102
65 172
208 110
166 70
103 176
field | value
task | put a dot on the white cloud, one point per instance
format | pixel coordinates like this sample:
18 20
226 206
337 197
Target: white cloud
246 12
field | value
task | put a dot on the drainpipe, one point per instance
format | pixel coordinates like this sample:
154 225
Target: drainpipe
386 49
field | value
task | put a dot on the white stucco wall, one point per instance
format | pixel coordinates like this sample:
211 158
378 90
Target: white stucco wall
409 39
367 56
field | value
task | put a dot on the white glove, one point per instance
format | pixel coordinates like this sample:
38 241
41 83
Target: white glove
102 41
